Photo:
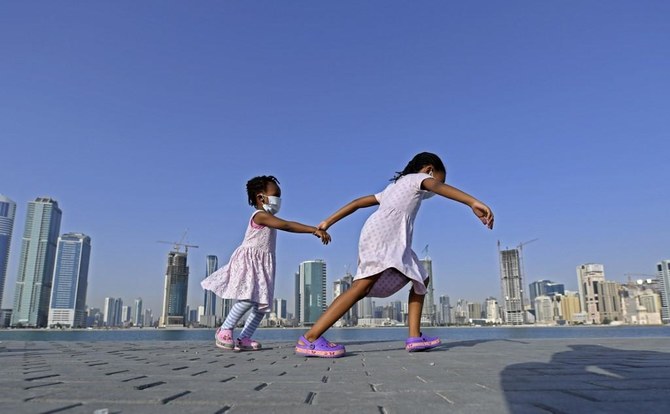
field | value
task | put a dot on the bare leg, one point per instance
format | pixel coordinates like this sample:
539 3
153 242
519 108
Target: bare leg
341 305
415 307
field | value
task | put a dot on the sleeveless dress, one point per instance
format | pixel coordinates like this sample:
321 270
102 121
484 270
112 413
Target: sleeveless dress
250 273
385 244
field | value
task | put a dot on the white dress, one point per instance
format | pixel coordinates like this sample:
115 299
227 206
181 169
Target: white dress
385 244
250 273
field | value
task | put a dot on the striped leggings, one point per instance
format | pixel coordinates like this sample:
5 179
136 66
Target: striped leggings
237 311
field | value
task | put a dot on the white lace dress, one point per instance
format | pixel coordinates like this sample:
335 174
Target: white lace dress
385 244
250 273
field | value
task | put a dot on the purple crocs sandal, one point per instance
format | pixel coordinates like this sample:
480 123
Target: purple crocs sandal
421 343
319 348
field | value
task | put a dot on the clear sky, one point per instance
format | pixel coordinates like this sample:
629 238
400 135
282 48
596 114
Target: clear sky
147 118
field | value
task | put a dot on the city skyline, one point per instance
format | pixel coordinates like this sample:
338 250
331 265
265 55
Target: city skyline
551 113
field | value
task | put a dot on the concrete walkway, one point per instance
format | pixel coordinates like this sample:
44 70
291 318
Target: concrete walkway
498 376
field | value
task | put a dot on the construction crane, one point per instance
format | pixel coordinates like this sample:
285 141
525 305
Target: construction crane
520 246
177 245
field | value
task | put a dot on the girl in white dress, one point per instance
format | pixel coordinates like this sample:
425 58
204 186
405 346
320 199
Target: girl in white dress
249 276
386 261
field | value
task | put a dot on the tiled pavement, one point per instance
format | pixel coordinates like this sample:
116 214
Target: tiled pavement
498 376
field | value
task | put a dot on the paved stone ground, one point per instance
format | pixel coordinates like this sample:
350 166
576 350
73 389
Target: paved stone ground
528 376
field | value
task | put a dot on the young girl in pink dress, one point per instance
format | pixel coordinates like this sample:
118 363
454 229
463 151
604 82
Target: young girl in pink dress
249 276
386 261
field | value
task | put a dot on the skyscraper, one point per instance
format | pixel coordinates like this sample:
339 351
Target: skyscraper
138 317
70 281
109 312
175 291
279 308
428 311
588 277
7 213
311 286
511 281
38 251
339 287
544 288
663 269
209 314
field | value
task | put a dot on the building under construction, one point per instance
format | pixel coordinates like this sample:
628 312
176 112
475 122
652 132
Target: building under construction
511 280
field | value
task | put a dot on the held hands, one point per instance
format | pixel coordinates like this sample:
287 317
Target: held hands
483 213
323 226
323 235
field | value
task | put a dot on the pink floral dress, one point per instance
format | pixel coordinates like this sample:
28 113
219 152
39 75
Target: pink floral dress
385 244
250 273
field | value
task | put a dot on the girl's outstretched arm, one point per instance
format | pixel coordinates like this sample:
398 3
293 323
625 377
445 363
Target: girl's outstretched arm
362 202
266 219
481 210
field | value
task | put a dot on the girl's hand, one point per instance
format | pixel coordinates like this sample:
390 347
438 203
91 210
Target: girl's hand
483 213
322 226
323 235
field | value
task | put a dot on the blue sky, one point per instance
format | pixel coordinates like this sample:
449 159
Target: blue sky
144 119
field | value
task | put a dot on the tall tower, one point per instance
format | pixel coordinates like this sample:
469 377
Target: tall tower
38 251
109 312
175 291
209 315
339 287
137 313
70 281
311 284
589 277
663 268
428 312
511 283
7 213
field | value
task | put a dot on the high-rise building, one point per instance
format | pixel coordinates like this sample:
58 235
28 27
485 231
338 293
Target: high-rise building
126 315
208 319
428 311
443 311
570 305
475 310
311 286
512 286
36 266
339 287
365 308
279 308
109 312
148 318
70 281
544 310
175 291
663 270
7 213
588 278
492 310
544 288
609 301
138 317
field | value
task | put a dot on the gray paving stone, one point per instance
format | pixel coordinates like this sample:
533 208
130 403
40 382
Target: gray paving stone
530 376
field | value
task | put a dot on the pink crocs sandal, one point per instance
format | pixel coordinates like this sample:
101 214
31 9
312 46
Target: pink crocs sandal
421 343
319 348
224 338
247 344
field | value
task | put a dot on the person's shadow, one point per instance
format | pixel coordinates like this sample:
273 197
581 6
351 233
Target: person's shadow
590 379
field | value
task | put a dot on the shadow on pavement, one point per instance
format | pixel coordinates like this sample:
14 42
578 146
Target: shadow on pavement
590 378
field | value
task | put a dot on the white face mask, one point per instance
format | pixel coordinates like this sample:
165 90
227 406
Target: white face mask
273 205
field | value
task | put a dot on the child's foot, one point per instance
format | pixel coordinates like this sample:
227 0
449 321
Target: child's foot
224 338
421 343
247 344
319 348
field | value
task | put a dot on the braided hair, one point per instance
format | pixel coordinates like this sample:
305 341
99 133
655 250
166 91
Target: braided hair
258 185
419 161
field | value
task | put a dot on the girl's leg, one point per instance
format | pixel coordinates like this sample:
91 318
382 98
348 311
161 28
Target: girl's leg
341 305
236 312
254 319
415 308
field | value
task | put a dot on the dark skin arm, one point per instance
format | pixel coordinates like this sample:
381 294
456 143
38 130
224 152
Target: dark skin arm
266 219
481 210
361 202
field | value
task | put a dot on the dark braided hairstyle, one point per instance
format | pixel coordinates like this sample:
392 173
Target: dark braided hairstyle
258 185
419 161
